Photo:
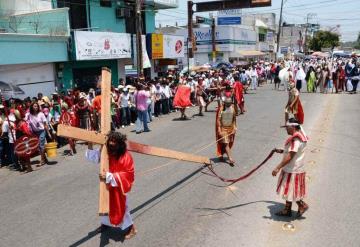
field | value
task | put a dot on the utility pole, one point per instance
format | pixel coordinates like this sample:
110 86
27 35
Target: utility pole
138 24
213 38
279 29
190 33
308 16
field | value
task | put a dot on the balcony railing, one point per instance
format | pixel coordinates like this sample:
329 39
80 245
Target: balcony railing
53 22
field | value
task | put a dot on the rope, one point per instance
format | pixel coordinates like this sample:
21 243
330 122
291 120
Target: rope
232 181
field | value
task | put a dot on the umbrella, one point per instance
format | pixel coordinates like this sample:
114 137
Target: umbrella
319 54
284 74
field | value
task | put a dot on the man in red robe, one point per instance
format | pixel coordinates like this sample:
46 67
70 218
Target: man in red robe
238 93
119 180
182 99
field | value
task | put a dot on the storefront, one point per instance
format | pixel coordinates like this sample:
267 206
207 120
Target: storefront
165 50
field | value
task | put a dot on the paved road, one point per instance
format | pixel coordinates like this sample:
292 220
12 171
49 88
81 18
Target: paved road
177 205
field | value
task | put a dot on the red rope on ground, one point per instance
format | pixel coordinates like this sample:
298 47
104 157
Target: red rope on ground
232 181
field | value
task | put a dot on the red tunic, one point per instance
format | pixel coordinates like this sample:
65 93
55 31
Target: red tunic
123 172
182 97
238 91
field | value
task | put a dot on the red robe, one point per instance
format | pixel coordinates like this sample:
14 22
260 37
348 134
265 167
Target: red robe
182 97
123 172
238 92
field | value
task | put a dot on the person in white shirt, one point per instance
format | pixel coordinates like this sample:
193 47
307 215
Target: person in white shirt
292 183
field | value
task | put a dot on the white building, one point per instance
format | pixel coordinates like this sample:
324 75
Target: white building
232 43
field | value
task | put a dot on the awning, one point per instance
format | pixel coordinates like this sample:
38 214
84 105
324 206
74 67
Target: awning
260 23
251 53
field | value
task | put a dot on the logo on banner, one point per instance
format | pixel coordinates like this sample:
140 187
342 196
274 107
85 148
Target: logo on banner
178 46
106 44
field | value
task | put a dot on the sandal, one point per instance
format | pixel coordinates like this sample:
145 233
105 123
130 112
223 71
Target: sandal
131 233
286 212
303 207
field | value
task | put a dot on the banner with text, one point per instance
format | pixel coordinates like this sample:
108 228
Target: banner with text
102 45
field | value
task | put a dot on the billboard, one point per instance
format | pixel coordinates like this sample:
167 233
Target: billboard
157 46
230 20
173 46
102 45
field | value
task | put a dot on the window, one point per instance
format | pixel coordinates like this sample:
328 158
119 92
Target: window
105 3
261 37
77 12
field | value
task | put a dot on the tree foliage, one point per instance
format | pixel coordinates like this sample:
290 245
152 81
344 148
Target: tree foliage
324 39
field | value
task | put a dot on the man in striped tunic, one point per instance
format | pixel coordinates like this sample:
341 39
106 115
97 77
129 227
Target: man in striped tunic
291 184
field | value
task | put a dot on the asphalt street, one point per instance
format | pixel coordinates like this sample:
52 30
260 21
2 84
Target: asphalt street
175 204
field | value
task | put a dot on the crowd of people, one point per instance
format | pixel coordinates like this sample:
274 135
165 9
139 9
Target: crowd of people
139 101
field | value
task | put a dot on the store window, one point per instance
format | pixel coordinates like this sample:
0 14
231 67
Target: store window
262 37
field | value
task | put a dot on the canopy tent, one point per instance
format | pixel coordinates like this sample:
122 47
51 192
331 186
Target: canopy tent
260 23
249 53
320 54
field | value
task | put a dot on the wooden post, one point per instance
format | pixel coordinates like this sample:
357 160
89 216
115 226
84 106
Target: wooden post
105 128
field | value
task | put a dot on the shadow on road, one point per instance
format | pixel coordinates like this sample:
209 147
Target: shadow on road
273 208
118 235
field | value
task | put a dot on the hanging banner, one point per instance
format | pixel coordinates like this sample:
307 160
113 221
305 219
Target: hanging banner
102 45
157 48
173 46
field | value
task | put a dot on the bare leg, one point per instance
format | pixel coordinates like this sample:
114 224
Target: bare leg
228 152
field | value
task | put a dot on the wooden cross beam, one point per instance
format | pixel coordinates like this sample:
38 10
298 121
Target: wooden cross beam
100 138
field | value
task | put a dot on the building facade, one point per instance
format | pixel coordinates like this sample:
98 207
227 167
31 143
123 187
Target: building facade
59 44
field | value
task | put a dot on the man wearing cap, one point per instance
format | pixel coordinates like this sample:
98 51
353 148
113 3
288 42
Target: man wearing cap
225 129
292 183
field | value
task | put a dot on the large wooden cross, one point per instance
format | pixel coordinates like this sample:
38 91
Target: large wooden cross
100 138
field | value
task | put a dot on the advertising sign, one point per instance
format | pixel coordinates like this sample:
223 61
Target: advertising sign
157 47
102 45
231 20
269 36
173 46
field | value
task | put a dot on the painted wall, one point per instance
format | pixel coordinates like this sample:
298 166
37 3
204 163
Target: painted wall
104 19
31 78
20 49
150 20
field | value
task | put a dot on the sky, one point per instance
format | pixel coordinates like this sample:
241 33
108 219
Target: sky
331 13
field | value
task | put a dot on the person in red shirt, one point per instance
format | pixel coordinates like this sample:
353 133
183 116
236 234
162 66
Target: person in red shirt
96 105
238 93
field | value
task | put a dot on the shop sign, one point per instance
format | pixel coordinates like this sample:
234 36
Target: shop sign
102 45
269 36
173 46
157 47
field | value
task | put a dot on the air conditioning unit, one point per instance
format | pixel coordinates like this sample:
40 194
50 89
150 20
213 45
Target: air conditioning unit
122 13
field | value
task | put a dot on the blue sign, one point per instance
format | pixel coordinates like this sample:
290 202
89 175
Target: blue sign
233 20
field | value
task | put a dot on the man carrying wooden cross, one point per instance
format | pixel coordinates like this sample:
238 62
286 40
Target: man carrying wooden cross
116 164
119 180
